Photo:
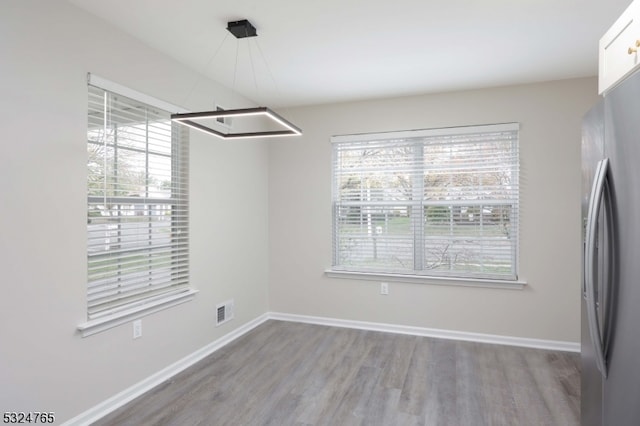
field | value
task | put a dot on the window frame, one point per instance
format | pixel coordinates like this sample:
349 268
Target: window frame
417 216
154 299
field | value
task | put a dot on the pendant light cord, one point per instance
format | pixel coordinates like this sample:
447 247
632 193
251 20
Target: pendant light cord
275 84
253 69
201 74
235 73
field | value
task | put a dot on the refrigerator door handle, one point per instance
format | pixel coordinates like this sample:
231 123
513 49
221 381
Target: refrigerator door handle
600 185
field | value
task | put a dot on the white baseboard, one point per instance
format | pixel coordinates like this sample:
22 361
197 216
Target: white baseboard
150 382
431 332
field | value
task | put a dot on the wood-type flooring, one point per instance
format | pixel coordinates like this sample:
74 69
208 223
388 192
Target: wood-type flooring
285 373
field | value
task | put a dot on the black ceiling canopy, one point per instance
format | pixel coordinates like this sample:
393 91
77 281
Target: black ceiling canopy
242 29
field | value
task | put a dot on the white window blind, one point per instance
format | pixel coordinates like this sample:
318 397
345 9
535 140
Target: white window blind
137 216
439 202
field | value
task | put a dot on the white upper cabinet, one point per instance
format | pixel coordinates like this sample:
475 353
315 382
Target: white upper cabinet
619 47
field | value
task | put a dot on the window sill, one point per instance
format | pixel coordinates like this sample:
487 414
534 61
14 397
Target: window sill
418 279
101 324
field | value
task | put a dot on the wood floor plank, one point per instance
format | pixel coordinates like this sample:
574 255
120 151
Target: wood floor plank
469 401
350 409
322 403
441 407
523 386
323 388
414 397
284 373
395 370
495 390
548 379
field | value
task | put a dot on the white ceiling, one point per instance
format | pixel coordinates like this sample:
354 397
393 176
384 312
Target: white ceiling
322 51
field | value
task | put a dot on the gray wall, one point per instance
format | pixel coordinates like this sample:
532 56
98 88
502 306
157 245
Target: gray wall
47 47
300 214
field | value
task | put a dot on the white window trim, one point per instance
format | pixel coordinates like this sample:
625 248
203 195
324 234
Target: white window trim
101 324
363 137
111 86
145 308
428 279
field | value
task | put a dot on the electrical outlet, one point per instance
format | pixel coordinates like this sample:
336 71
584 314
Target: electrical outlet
137 329
384 288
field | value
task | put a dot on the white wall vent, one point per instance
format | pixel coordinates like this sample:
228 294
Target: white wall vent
224 312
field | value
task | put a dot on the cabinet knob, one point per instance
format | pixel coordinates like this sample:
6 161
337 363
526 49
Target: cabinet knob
633 50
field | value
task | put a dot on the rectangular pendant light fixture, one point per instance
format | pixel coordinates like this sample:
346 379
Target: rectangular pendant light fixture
240 29
189 119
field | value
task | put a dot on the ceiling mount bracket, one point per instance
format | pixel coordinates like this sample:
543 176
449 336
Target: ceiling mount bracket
242 29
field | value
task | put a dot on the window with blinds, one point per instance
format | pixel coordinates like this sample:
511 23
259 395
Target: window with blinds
137 216
439 202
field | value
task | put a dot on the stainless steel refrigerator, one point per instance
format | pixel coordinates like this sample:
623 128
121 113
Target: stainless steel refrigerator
610 389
